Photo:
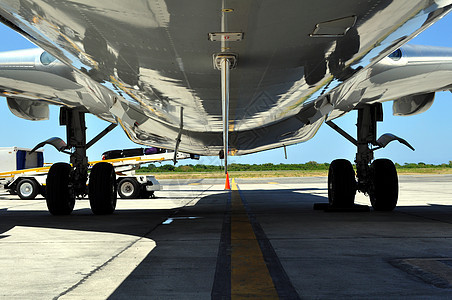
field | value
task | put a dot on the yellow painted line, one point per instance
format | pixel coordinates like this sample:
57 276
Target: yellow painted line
434 266
250 277
194 183
273 182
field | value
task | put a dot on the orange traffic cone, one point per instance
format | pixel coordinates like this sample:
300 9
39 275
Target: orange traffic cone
227 186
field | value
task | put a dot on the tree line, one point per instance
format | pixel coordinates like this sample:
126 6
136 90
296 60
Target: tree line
309 166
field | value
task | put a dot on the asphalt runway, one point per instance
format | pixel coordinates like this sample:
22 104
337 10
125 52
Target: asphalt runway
261 240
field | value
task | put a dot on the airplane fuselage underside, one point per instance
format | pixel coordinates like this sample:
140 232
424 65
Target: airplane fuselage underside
139 62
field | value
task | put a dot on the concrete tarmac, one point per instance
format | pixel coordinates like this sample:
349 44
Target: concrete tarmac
262 240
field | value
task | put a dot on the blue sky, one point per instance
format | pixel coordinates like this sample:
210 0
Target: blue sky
429 132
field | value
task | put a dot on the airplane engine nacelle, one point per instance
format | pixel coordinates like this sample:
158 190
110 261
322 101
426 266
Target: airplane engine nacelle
412 105
28 109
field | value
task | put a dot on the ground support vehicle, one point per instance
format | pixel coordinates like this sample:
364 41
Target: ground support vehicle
131 185
22 172
27 183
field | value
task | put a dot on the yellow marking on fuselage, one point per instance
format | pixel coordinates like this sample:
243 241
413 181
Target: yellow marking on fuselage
250 277
124 129
37 19
130 92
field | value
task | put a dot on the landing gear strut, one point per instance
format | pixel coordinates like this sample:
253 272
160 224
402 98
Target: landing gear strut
378 178
66 182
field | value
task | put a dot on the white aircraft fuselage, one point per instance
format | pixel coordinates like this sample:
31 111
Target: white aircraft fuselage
298 64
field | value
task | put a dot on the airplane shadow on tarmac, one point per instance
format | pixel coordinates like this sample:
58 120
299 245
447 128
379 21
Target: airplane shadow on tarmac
187 249
125 221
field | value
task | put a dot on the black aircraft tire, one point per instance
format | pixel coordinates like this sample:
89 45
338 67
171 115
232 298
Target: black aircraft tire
128 188
58 197
341 184
102 189
385 185
27 189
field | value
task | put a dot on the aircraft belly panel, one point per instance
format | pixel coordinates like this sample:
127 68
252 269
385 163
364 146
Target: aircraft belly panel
156 55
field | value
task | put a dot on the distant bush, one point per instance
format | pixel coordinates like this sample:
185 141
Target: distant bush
422 165
311 165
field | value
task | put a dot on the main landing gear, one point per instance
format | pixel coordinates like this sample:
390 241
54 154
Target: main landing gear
66 182
376 178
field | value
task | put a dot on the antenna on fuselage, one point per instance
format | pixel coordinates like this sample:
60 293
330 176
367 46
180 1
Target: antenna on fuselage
225 61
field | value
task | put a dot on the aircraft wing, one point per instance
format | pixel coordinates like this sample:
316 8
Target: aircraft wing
148 64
